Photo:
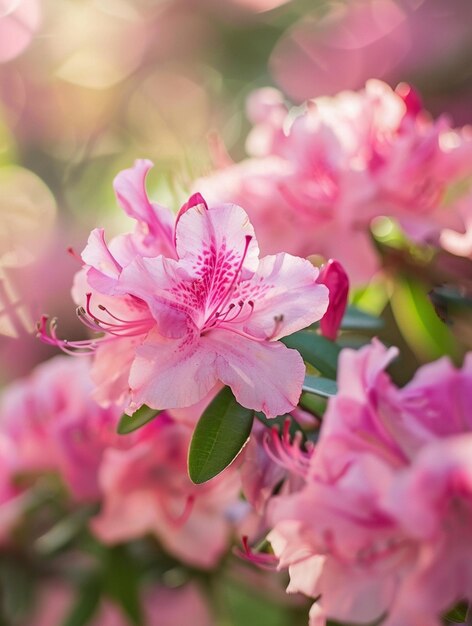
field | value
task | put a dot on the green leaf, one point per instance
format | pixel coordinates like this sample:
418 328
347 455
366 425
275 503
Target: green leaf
130 423
324 387
17 584
122 582
355 319
86 604
62 534
219 436
317 350
458 614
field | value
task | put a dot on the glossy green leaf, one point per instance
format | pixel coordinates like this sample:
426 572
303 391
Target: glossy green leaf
130 423
324 387
219 436
317 350
355 319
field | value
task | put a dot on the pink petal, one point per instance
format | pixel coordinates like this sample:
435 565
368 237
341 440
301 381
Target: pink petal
154 281
172 373
286 296
104 268
195 200
214 236
264 376
130 189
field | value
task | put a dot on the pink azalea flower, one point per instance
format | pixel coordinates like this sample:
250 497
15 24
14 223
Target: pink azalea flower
147 490
382 525
219 312
317 178
196 306
55 425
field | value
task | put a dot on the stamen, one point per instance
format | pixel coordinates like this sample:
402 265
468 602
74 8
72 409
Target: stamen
49 336
261 559
286 452
278 319
230 290
123 328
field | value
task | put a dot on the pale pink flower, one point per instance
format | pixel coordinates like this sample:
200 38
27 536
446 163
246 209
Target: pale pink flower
147 490
382 525
219 312
193 304
54 424
317 177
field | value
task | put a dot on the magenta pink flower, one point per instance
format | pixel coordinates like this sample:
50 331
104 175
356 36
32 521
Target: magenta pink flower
147 489
382 525
218 313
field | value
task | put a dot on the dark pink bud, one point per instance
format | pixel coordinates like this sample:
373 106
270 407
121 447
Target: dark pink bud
333 275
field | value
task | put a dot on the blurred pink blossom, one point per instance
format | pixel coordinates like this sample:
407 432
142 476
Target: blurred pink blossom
361 39
162 607
318 176
54 424
19 20
382 524
147 490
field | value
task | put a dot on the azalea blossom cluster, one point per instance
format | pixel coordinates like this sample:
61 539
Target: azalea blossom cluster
51 424
317 176
365 494
381 526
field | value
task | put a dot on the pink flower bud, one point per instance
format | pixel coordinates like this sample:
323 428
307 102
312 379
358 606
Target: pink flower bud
335 278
